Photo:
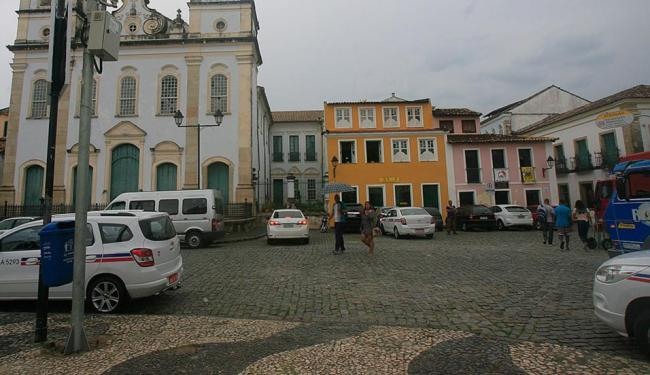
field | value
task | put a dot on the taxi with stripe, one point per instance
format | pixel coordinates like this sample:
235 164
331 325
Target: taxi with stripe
621 296
129 254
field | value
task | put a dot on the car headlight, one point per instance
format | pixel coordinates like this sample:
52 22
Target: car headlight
614 273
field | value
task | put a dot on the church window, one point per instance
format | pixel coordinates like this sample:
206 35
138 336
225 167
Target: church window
219 93
39 99
168 95
127 96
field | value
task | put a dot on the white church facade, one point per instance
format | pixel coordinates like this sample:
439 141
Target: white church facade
199 65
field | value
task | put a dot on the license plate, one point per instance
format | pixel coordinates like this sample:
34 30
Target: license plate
521 216
484 218
419 231
288 225
172 279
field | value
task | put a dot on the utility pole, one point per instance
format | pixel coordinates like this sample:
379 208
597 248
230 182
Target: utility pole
58 74
103 42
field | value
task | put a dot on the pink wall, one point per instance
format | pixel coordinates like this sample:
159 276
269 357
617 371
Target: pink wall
517 189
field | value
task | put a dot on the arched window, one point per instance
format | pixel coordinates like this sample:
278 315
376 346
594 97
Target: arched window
168 95
128 96
219 93
39 99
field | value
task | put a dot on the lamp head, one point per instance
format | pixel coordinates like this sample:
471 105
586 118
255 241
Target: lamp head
550 162
218 117
178 118
335 161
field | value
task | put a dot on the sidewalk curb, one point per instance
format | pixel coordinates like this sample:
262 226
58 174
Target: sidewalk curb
241 239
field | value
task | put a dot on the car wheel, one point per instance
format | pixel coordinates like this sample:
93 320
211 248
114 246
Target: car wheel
270 241
500 225
641 329
396 234
106 294
607 244
305 241
383 231
193 240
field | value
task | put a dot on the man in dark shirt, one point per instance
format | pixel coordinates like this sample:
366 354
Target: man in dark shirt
450 222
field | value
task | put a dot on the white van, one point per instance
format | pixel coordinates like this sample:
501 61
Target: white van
197 214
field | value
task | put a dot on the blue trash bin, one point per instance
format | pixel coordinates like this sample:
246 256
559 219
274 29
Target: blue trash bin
57 253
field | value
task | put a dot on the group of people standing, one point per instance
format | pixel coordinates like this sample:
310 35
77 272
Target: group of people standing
562 218
368 225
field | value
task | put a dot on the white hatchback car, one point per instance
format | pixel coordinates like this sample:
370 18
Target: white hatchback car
622 296
128 255
508 215
287 224
408 221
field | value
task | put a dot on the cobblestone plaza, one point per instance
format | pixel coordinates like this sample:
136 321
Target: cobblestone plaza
451 304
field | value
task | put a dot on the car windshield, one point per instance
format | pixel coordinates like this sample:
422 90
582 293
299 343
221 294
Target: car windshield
288 215
516 209
158 228
414 211
354 207
6 224
481 210
432 211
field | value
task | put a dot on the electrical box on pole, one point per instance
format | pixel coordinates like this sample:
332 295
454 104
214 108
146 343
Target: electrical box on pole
104 36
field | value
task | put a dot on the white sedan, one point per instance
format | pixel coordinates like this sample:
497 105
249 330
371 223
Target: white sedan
508 216
622 296
408 221
128 255
287 224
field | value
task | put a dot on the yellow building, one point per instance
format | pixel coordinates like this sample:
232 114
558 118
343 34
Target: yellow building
390 151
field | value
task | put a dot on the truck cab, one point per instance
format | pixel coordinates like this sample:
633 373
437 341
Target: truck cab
627 217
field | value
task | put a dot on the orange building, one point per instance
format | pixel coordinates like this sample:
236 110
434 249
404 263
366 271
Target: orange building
390 151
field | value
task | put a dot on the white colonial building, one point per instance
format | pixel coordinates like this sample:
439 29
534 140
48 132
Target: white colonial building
585 152
165 64
297 149
551 101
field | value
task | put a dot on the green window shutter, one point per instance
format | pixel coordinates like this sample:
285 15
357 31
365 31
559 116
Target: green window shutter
125 170
219 179
33 185
310 141
430 193
166 176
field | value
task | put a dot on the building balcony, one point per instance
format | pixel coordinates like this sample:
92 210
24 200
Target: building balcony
278 157
294 156
310 156
562 166
584 163
473 175
608 159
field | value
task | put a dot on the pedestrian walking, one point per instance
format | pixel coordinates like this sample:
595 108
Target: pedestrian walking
450 221
582 217
368 224
338 214
546 219
563 223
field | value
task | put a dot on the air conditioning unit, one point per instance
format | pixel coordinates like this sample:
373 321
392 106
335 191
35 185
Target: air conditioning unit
104 36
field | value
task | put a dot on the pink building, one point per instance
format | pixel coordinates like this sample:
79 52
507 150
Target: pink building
495 169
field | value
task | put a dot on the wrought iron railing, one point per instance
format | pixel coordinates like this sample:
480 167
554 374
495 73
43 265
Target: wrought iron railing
294 156
310 156
561 166
584 162
278 157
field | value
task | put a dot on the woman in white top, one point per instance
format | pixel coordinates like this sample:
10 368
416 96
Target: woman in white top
582 217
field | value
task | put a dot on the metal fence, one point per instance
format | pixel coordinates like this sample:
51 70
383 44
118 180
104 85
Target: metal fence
232 211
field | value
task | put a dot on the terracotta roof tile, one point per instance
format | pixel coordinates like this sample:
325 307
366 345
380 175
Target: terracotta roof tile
297 116
636 92
495 138
455 112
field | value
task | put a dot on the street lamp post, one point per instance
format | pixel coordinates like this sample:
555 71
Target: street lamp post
218 119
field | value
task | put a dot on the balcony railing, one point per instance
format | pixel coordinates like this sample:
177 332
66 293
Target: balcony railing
294 156
561 166
473 175
609 158
584 163
278 157
310 156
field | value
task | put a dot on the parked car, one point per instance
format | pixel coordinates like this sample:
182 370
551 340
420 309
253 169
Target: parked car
408 221
353 217
509 216
13 222
129 255
435 212
197 215
287 224
621 296
475 216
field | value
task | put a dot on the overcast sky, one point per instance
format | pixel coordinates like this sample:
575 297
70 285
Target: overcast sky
460 53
